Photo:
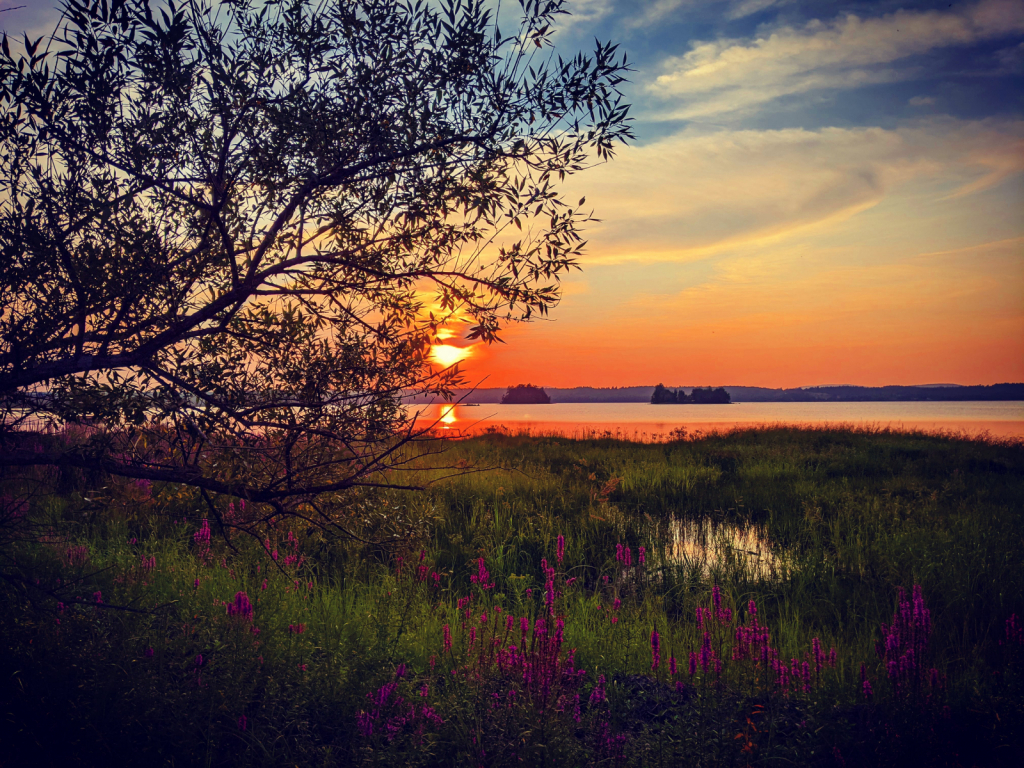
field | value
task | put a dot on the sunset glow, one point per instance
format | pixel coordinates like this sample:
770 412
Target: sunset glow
802 206
447 416
817 194
447 355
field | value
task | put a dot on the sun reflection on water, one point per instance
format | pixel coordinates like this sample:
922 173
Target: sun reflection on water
447 415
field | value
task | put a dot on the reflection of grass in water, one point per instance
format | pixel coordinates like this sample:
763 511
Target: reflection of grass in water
711 548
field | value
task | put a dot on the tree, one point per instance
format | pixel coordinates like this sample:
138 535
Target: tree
230 231
525 394
662 395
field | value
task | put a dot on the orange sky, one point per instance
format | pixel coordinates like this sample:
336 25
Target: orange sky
796 258
819 193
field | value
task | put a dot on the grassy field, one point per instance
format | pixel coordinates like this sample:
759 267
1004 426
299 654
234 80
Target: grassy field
557 602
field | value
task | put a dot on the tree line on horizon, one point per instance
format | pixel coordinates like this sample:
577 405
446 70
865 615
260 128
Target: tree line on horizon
698 396
846 393
525 394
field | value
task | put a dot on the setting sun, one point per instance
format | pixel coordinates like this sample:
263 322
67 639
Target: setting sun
447 355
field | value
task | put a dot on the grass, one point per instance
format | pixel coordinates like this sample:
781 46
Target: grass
343 660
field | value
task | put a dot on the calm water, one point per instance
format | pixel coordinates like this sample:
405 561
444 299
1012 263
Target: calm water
644 421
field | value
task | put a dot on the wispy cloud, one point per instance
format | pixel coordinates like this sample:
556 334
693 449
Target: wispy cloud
659 10
584 12
655 12
746 8
695 194
729 75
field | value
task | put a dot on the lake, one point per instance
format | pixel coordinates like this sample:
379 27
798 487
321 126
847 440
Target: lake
653 422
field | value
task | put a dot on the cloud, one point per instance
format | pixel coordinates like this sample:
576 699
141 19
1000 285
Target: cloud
583 12
921 101
659 10
25 16
746 8
655 12
695 194
1012 59
728 75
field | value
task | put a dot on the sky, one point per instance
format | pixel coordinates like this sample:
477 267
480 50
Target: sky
819 193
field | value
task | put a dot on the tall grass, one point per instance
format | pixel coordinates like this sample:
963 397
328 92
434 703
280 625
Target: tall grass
343 658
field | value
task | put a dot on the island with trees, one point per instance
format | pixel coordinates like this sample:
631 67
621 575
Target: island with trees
525 394
698 396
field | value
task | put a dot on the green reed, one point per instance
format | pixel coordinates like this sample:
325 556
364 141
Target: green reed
852 516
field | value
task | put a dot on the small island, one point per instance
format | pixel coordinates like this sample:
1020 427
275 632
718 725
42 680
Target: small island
525 394
698 396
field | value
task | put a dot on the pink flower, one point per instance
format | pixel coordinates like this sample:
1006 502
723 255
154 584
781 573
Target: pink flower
655 649
597 696
560 550
241 607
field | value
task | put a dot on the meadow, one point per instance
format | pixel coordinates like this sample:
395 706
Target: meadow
771 596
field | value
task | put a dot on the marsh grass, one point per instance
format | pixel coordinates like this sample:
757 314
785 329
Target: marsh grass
345 635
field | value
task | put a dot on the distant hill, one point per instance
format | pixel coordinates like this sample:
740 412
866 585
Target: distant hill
933 392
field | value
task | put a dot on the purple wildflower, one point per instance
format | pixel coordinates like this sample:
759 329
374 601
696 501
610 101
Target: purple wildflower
241 607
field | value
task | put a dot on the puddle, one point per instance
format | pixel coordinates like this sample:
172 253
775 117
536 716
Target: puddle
707 546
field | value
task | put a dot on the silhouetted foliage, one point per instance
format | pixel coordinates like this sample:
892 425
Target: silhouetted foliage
230 230
698 396
662 395
708 396
525 394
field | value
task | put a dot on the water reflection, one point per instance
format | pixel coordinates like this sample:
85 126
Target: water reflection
706 546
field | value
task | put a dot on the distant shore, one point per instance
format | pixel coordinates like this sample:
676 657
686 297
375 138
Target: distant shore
743 394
